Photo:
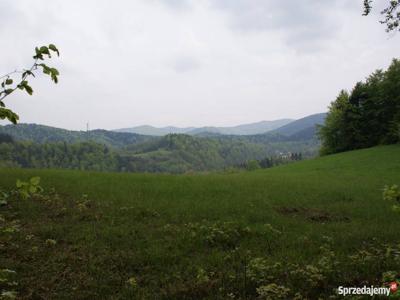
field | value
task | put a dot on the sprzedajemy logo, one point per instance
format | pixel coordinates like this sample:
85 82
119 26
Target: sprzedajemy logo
365 290
390 289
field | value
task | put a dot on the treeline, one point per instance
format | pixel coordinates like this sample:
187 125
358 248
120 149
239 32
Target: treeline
178 153
269 162
174 153
367 116
42 134
81 156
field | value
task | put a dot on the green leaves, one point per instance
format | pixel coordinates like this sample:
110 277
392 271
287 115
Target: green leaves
19 184
52 72
27 73
35 180
45 50
367 7
365 117
29 188
25 86
392 194
9 115
54 49
54 75
391 14
7 86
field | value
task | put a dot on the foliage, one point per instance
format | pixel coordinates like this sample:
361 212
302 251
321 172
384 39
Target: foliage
392 194
8 284
269 162
27 189
132 282
113 151
40 134
9 84
253 165
391 14
366 117
83 156
273 291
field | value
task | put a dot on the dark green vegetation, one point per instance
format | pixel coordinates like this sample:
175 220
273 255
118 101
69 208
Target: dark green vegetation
296 230
368 116
37 146
41 134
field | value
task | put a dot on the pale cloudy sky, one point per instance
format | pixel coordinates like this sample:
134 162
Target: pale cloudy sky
190 62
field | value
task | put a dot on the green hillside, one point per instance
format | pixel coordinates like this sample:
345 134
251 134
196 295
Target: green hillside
37 146
302 228
42 134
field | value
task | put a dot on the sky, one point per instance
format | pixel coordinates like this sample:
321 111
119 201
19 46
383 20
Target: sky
125 63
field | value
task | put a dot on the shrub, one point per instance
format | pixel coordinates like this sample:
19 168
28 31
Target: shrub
26 189
392 194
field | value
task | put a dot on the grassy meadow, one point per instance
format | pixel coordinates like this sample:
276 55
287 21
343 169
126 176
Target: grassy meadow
298 230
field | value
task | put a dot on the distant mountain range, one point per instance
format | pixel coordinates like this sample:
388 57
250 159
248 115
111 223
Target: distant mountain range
245 129
306 124
261 132
198 149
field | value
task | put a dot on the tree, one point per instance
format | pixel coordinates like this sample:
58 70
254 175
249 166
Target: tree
391 14
252 165
9 85
333 133
368 116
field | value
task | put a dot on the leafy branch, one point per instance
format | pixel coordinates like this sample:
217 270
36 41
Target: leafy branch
9 85
391 13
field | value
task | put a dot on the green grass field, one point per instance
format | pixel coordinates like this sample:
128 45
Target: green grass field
213 236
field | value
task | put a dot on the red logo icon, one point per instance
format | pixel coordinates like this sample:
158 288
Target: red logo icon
393 287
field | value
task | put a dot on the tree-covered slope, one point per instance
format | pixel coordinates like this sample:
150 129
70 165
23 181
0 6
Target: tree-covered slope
302 124
45 134
367 116
37 146
187 153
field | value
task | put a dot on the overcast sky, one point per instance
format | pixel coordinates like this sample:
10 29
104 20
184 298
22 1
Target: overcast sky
190 63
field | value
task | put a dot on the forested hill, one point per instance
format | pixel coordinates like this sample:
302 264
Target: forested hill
302 130
307 124
37 146
42 134
181 153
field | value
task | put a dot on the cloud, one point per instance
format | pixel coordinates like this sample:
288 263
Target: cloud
189 62
303 26
183 64
176 4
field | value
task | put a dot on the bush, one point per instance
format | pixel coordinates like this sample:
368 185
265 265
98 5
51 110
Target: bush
392 194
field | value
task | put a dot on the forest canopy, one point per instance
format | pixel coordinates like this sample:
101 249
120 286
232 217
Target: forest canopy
367 116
